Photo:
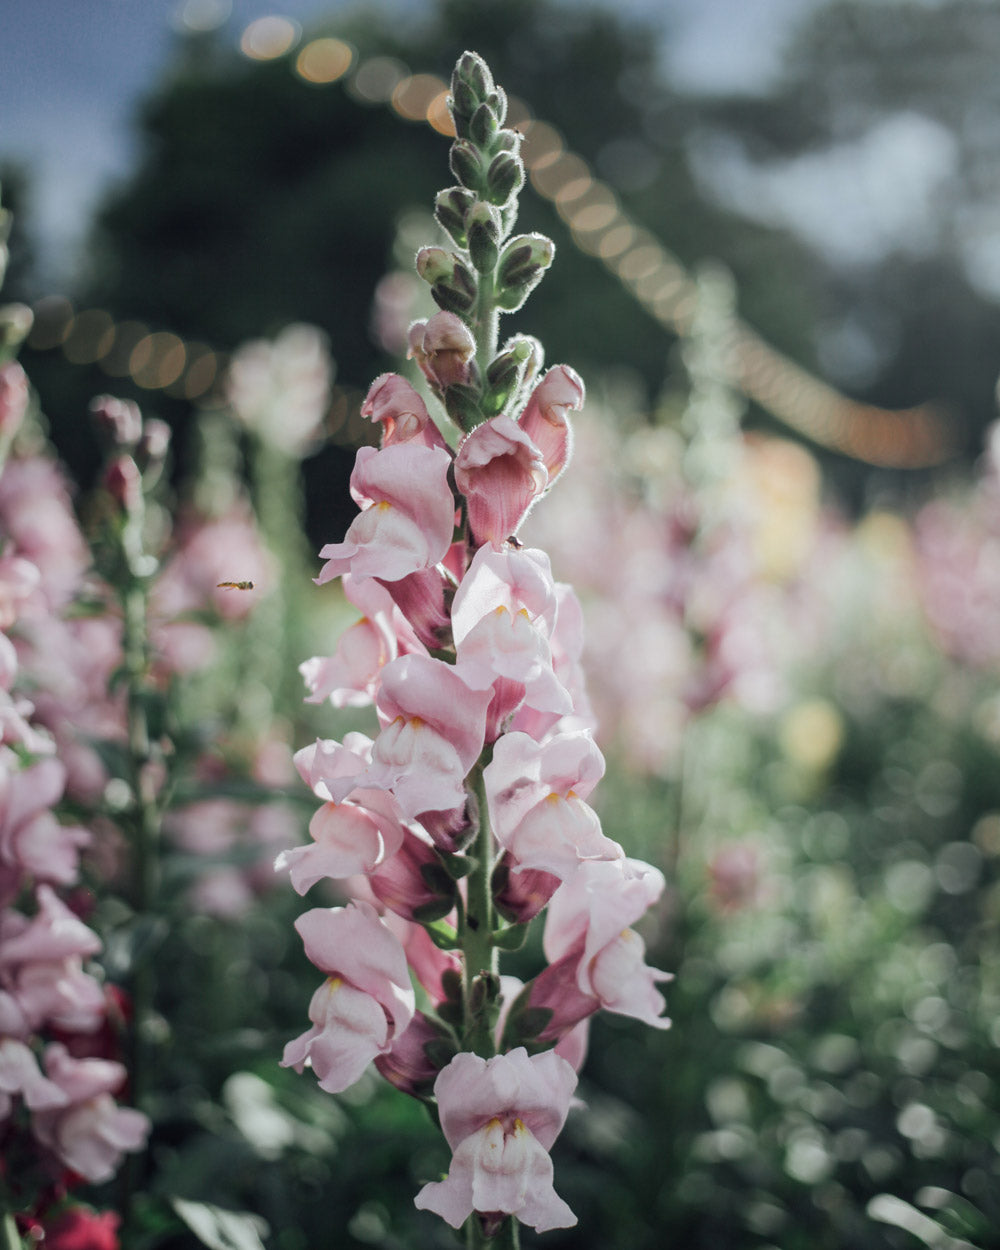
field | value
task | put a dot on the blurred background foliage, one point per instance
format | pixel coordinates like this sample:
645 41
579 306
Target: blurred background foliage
831 1076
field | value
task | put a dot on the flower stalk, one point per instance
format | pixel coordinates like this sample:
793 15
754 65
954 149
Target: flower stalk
466 815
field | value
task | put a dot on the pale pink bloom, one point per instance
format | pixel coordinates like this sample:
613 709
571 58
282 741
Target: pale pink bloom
332 770
536 798
31 839
20 1074
281 389
91 1134
53 934
348 838
70 663
394 404
366 1002
516 580
501 473
597 902
444 349
350 677
591 948
36 515
544 418
502 614
13 397
407 518
19 578
59 993
500 1117
434 727
17 714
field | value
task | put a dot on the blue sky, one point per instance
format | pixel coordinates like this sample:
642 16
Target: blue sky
73 71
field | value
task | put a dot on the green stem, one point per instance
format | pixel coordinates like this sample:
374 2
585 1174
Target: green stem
479 953
11 1237
274 633
486 326
507 1236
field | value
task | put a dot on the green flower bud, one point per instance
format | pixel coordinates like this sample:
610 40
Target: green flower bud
483 222
504 178
505 373
467 165
472 69
483 126
522 264
450 208
463 406
434 264
497 100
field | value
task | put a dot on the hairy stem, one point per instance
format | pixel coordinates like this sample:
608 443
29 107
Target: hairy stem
479 953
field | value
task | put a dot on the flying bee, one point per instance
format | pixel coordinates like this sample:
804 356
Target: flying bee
235 585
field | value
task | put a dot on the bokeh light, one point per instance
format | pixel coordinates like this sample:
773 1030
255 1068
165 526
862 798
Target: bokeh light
324 60
269 37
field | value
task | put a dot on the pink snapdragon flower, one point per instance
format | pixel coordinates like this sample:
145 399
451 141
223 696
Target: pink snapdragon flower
502 616
36 515
407 518
393 404
91 1132
544 418
364 1004
20 1074
444 349
501 473
595 959
350 836
32 840
350 677
434 727
500 1117
536 796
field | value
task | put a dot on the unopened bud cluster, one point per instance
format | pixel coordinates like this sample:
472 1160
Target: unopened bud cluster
492 270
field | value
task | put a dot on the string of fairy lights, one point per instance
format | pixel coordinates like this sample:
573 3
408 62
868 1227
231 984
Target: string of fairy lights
600 227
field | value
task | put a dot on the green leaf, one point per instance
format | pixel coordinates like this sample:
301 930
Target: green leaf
221 1229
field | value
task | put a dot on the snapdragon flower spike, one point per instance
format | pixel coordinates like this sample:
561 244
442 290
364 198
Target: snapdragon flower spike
365 1003
500 1117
